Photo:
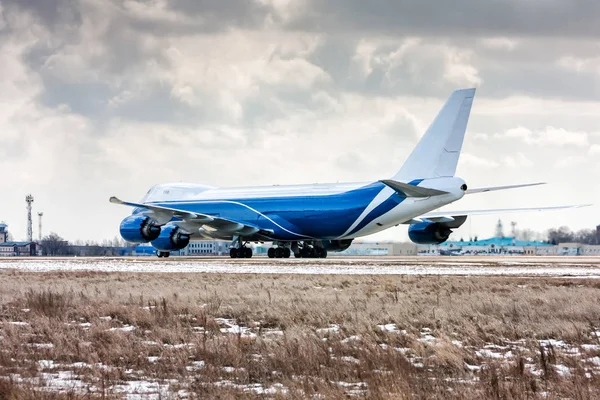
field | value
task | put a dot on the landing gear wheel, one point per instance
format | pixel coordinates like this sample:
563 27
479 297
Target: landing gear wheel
298 255
322 253
287 252
271 252
233 252
161 254
278 252
247 252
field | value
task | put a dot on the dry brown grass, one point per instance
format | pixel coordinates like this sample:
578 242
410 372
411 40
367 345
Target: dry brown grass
176 318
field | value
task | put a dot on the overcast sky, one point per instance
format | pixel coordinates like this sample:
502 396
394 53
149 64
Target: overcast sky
101 98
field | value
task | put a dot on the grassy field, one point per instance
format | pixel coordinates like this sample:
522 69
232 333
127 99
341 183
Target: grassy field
111 335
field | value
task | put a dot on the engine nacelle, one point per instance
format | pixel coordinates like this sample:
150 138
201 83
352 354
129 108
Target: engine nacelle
337 245
171 238
429 233
139 229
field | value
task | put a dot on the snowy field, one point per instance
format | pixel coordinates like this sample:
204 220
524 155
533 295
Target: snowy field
73 333
511 266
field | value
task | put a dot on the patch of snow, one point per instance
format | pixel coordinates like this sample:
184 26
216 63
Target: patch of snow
125 328
272 332
42 345
553 343
528 267
135 390
18 323
562 370
107 318
350 359
457 343
153 359
590 347
594 360
333 328
388 327
25 309
403 350
486 353
473 367
427 338
47 364
196 365
231 327
354 338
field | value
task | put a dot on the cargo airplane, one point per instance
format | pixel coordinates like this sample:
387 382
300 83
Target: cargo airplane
310 220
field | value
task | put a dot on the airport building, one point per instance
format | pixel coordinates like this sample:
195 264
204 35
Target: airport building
195 248
381 249
18 249
15 249
206 248
496 245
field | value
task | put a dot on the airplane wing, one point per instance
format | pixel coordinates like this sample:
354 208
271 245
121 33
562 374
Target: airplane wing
449 216
193 222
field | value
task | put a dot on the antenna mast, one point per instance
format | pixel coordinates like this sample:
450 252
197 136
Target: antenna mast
40 215
29 201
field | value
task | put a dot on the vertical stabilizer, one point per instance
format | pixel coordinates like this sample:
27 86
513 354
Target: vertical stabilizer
436 154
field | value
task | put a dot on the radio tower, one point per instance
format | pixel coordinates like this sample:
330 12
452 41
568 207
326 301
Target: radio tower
29 201
40 215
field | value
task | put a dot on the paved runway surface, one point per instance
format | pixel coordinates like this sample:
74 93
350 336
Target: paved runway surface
497 265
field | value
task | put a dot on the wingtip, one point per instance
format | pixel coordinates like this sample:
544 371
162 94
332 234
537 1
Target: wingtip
115 200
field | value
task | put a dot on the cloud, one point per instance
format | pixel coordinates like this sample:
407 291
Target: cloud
594 150
469 160
570 161
519 160
112 97
550 136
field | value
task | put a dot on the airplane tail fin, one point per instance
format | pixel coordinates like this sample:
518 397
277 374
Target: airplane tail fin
436 154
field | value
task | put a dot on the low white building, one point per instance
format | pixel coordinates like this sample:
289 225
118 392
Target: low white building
206 248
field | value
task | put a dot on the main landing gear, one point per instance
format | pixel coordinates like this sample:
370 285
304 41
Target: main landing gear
311 252
279 252
240 251
299 249
161 254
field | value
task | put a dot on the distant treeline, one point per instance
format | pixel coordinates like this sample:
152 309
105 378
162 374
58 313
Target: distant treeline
55 245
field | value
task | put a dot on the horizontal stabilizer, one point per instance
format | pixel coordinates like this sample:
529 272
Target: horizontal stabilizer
407 190
494 188
435 216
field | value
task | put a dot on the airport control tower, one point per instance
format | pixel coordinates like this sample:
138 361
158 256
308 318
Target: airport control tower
3 232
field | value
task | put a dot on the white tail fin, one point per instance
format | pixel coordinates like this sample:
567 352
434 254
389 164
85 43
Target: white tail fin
436 154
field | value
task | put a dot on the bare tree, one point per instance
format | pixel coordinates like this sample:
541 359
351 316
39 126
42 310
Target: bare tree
54 245
560 235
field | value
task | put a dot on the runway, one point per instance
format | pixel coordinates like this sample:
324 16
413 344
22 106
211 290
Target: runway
584 267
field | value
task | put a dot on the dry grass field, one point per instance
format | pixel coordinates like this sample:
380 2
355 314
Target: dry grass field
80 335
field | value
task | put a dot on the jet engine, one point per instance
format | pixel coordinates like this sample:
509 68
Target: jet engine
337 245
171 238
139 229
429 233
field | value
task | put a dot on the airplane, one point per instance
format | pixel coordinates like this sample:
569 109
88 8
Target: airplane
309 221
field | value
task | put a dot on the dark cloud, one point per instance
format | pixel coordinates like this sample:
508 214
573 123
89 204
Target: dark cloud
51 13
578 18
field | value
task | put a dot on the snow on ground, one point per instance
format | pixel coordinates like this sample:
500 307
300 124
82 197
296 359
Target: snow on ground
383 266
